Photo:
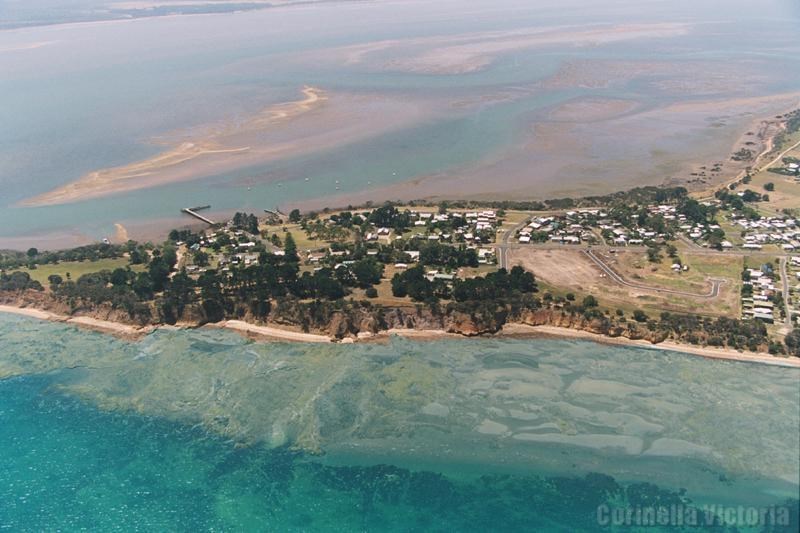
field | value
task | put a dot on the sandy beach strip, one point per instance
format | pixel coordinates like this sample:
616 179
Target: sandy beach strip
509 330
524 331
272 332
125 331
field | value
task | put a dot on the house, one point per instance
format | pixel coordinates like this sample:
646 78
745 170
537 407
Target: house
764 317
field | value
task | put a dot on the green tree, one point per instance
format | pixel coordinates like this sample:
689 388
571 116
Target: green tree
294 216
143 286
367 272
672 251
792 342
159 270
55 280
290 248
200 258
178 293
769 186
120 277
212 299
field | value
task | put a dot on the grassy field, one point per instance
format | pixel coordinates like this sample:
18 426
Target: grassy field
786 194
787 189
77 269
513 218
635 266
298 234
385 297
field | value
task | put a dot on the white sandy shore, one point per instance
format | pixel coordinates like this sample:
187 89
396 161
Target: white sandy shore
273 332
522 330
105 326
525 331
510 330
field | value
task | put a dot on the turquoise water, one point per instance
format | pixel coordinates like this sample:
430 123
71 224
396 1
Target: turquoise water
203 430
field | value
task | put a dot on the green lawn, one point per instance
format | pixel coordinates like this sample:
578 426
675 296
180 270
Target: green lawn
77 268
300 236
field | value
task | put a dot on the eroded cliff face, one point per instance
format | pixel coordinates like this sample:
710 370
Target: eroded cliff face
354 318
45 301
341 324
556 317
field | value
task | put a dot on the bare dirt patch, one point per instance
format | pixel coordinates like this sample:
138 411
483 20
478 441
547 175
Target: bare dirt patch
573 271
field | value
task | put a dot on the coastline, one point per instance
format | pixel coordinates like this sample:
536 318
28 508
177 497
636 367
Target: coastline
767 147
524 331
513 330
124 331
270 332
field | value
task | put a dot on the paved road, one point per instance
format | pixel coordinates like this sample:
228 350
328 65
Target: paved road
502 247
690 243
713 293
785 280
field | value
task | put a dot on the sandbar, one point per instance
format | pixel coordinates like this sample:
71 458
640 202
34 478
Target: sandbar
316 123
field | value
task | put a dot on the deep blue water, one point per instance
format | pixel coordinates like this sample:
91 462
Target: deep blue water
68 466
201 431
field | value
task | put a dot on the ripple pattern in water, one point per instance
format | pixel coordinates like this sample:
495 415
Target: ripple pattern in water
448 435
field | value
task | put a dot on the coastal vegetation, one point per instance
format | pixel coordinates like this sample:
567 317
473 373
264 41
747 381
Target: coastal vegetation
414 266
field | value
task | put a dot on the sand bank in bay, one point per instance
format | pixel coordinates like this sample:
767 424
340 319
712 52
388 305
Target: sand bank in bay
25 46
317 122
555 153
470 52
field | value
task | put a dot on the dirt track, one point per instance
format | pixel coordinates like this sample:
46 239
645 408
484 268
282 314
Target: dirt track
573 270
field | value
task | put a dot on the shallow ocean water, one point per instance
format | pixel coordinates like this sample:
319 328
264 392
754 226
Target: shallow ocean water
83 97
203 430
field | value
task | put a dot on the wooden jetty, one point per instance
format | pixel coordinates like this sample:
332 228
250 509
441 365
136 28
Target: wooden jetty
193 211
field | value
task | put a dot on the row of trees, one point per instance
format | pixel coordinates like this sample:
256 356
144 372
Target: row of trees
495 286
92 252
